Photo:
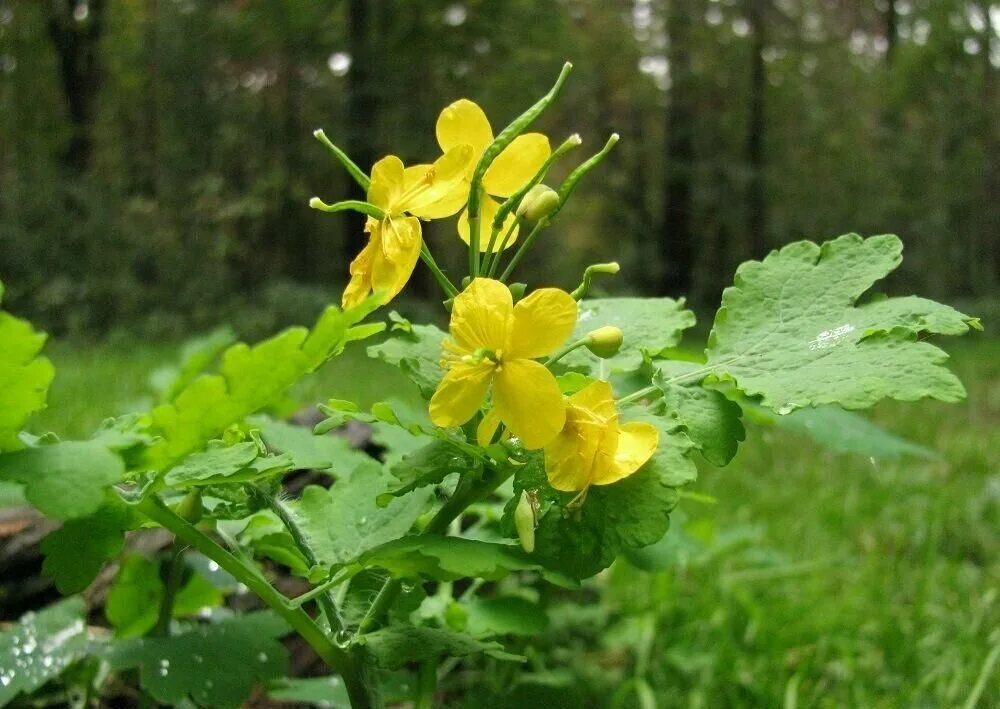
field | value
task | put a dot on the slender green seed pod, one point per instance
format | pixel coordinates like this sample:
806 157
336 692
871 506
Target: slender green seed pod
524 522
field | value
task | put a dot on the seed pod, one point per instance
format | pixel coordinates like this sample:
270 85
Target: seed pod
190 508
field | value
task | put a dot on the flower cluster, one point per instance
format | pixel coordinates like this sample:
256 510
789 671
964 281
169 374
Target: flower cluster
498 359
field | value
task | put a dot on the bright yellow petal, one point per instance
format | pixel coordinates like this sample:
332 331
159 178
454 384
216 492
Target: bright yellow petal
529 401
598 399
637 442
516 165
399 249
444 207
480 316
460 394
387 182
569 457
488 427
542 323
464 123
488 213
360 284
439 183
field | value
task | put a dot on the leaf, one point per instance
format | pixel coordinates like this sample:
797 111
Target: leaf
40 647
417 353
343 522
196 356
711 421
24 376
64 480
650 326
450 558
328 692
845 432
791 332
76 552
331 454
221 463
249 379
134 598
427 466
504 615
397 645
213 665
630 513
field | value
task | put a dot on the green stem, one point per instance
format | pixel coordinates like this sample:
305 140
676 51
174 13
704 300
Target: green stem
175 573
495 261
651 391
565 351
523 249
352 205
446 285
456 505
358 687
324 600
426 685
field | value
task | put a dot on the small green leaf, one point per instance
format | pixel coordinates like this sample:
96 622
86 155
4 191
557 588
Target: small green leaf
504 615
76 552
650 325
397 645
214 665
331 454
450 558
133 601
711 421
24 376
417 352
343 522
64 480
40 647
427 466
791 330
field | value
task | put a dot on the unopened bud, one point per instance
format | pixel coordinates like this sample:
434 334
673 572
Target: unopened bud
190 508
524 521
517 290
605 342
539 202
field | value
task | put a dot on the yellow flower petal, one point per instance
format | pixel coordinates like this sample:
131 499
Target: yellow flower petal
542 323
637 441
569 457
449 204
464 123
487 214
392 264
387 182
488 427
460 394
360 284
516 165
480 316
598 399
440 182
529 402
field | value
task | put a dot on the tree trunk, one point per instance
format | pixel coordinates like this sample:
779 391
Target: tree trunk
76 39
756 204
676 242
891 34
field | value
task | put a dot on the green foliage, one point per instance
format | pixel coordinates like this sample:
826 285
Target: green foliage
416 350
64 480
428 465
24 376
249 379
40 648
711 421
397 645
216 665
75 553
651 327
792 332
343 522
504 615
222 463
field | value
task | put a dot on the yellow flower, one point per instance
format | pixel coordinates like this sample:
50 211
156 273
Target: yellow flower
496 342
593 448
465 123
404 194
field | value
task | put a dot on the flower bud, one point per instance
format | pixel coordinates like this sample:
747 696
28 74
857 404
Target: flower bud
190 508
605 342
517 290
539 202
524 522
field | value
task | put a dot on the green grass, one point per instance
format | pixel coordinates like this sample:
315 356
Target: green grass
814 580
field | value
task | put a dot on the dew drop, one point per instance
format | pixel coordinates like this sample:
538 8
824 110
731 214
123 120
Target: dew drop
198 659
342 638
164 667
209 684
6 679
213 566
262 657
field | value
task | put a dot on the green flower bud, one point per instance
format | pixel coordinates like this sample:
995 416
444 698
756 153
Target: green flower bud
517 290
539 202
605 342
524 521
190 509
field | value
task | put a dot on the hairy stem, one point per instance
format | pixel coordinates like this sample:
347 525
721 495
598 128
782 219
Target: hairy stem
175 574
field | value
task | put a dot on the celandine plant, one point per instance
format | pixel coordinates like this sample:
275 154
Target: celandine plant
555 435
